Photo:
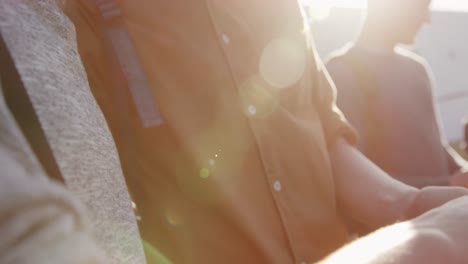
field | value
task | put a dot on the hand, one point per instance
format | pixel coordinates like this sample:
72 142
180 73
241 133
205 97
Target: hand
460 178
438 236
450 219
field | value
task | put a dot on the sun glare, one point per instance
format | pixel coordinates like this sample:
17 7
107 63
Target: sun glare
392 239
320 9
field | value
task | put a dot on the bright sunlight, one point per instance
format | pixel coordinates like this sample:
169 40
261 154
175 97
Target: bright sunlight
320 9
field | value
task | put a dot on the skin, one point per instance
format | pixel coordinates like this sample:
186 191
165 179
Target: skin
393 200
434 230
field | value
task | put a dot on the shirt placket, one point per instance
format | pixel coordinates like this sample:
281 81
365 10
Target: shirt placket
275 180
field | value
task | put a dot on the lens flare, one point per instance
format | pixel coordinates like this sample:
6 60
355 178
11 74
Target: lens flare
319 10
173 217
154 255
282 63
204 173
212 162
258 98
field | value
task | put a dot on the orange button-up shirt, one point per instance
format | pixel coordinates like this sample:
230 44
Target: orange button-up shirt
239 171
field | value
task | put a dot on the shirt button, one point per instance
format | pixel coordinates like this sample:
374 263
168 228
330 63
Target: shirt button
277 186
252 109
226 39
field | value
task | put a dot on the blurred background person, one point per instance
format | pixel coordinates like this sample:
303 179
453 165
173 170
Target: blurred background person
460 180
466 136
386 93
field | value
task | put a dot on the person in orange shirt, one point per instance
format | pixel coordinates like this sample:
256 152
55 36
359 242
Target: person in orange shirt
238 154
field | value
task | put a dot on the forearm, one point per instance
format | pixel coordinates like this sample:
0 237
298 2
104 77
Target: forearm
420 182
370 196
398 244
365 192
438 236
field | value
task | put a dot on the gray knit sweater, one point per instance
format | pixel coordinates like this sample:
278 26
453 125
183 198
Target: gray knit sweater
42 44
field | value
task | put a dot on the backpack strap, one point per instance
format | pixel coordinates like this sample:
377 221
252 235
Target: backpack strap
123 54
17 99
